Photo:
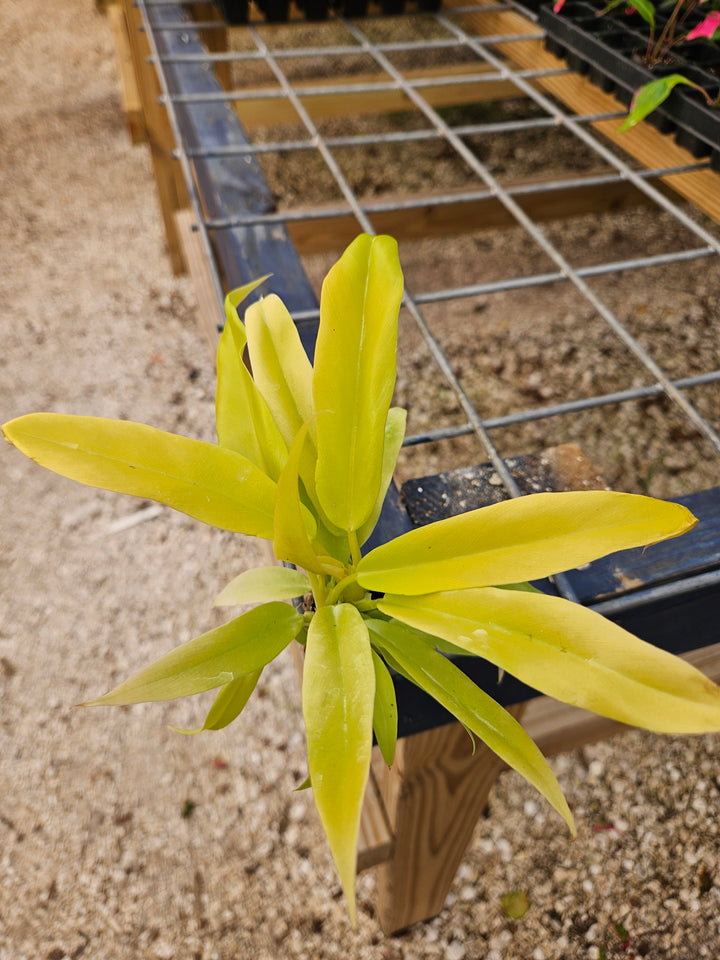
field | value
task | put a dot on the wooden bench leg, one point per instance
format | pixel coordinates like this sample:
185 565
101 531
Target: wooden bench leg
171 189
434 795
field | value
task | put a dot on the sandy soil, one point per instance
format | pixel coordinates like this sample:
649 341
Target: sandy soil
121 839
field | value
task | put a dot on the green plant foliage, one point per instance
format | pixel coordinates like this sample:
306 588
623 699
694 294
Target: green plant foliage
650 96
304 458
660 50
515 904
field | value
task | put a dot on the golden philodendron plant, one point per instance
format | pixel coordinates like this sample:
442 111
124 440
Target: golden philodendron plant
304 458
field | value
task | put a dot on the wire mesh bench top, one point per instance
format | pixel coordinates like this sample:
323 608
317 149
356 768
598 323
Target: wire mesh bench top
242 107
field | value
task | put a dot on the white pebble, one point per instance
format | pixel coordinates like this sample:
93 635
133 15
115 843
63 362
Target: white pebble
455 951
504 849
297 811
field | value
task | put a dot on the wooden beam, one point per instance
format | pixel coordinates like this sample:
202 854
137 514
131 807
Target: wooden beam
324 234
171 189
261 112
129 96
209 312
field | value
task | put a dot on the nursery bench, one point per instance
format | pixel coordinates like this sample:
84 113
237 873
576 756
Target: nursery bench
222 225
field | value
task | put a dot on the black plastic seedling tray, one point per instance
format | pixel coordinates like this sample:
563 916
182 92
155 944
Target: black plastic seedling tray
607 49
277 11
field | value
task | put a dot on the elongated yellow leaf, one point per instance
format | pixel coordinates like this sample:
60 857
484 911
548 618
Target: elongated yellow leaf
280 366
214 659
292 542
337 694
523 539
355 364
243 419
477 711
228 704
385 715
394 436
570 653
235 297
212 484
262 584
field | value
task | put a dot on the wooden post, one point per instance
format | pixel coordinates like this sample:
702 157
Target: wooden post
434 794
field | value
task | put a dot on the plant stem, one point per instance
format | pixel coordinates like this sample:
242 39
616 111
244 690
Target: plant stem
354 547
366 606
338 589
319 588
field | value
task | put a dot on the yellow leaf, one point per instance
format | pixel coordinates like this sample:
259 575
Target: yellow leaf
385 715
214 659
243 419
570 653
394 436
479 713
262 584
228 704
523 539
515 904
292 542
355 365
212 484
280 366
338 692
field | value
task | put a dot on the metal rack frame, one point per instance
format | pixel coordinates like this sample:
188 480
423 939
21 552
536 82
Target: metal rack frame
190 93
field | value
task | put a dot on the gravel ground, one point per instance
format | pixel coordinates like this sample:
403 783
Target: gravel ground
121 839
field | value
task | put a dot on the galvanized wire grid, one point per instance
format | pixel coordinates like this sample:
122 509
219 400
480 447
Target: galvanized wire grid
449 30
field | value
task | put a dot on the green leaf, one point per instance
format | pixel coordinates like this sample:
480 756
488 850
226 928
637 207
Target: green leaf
570 653
523 539
292 541
477 711
646 10
394 436
338 692
612 5
385 715
515 904
355 366
229 703
650 96
280 366
262 584
212 484
243 419
214 659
